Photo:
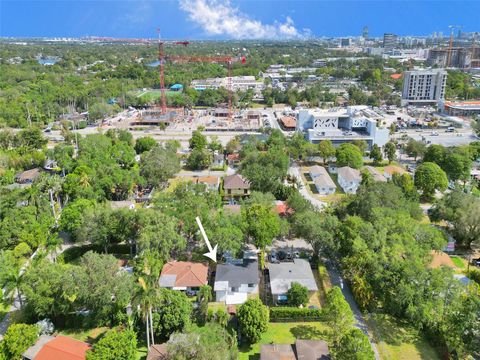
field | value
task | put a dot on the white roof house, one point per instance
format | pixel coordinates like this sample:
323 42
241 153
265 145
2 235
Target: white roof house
349 179
322 180
284 274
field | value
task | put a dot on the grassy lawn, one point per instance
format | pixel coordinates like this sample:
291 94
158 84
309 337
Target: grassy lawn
396 341
87 335
458 261
142 352
285 333
217 305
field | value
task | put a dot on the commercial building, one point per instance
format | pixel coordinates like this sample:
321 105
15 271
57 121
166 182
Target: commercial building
424 87
389 41
238 83
460 108
342 125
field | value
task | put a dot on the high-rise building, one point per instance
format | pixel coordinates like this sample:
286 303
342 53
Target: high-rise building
424 87
345 42
389 41
365 32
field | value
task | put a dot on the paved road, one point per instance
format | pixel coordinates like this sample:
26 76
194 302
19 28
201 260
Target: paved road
294 170
336 280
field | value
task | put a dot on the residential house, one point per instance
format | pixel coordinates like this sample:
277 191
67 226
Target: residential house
218 160
235 281
349 179
282 209
376 175
211 182
235 186
323 182
282 276
233 160
301 350
183 275
61 347
28 176
391 170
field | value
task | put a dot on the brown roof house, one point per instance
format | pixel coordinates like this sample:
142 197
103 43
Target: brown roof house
391 170
301 350
56 348
28 176
235 186
183 275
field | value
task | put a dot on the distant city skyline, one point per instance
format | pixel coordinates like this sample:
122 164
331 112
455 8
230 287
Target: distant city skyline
223 19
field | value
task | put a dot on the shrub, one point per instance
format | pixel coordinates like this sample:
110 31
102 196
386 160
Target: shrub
278 314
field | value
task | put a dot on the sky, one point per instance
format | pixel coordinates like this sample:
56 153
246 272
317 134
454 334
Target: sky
233 19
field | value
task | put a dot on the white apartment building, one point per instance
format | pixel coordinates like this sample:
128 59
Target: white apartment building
239 83
424 87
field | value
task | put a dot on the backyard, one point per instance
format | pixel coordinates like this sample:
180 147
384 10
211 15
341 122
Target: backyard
396 341
285 333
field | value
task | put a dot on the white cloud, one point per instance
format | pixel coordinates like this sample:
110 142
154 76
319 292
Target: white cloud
219 17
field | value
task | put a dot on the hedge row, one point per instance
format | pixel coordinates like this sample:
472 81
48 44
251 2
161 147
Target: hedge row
292 313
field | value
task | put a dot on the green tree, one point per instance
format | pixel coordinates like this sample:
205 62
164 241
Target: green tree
144 144
158 165
354 345
204 296
71 216
233 146
172 313
430 177
253 319
415 148
198 141
17 339
390 151
209 342
436 154
457 164
349 155
376 154
361 145
405 182
199 159
297 295
262 224
116 344
326 150
339 315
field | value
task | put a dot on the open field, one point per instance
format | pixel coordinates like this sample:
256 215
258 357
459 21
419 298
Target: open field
285 333
399 342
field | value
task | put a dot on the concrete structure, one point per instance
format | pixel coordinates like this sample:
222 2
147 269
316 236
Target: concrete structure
349 179
460 108
461 57
282 276
235 281
389 41
323 182
183 275
424 87
239 83
341 125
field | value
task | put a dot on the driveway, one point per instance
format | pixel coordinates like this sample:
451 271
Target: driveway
294 170
337 280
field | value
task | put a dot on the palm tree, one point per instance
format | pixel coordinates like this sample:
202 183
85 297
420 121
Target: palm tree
13 283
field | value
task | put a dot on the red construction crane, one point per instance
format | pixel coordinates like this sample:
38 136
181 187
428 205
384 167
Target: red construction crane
161 60
229 60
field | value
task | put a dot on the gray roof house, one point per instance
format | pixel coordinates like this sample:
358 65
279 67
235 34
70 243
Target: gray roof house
323 182
377 176
349 179
234 281
282 276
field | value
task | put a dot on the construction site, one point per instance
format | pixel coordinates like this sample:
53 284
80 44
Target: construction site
223 118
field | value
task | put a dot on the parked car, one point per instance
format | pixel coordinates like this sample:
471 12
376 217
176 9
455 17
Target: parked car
191 293
476 261
273 258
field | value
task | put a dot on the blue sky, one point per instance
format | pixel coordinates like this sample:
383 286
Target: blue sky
224 19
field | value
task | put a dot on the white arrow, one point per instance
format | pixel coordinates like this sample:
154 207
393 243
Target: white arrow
212 253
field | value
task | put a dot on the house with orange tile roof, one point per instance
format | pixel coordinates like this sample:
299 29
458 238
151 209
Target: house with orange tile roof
183 275
56 348
390 170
